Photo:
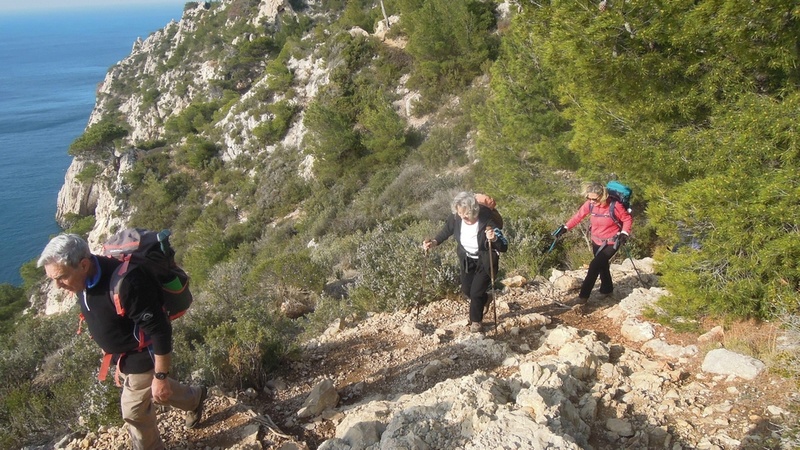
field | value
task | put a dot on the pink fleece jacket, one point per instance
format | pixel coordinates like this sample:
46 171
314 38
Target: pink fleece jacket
603 227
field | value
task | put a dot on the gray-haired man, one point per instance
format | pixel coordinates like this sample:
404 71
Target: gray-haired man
137 335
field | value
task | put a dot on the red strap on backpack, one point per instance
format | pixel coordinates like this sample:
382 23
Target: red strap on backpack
105 364
81 320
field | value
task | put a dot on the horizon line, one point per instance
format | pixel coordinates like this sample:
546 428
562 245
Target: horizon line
59 6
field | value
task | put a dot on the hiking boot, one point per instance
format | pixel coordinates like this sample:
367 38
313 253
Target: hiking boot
580 301
487 307
580 309
475 327
195 416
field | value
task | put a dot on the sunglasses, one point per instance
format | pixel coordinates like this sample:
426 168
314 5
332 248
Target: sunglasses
593 199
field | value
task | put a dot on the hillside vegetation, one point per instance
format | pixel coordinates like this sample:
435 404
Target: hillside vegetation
293 154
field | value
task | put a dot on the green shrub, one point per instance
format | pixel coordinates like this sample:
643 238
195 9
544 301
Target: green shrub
158 200
337 254
151 144
12 303
149 98
199 152
449 42
529 242
208 248
444 146
274 129
80 225
292 267
89 173
331 140
292 30
47 374
233 336
98 140
383 133
192 119
326 311
31 275
27 411
394 272
356 15
392 63
96 402
151 164
280 77
748 248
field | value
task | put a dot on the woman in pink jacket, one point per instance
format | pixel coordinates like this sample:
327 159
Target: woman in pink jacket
609 229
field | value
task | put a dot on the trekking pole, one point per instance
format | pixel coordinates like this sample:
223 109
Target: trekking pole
421 297
638 275
544 257
550 249
552 246
491 276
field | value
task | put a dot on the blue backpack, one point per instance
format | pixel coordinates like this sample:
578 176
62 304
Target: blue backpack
620 193
617 192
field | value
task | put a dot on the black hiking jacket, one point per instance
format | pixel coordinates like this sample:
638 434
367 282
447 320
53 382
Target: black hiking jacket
452 227
143 315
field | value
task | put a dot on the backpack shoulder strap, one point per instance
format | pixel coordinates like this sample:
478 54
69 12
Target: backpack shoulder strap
115 292
115 285
612 205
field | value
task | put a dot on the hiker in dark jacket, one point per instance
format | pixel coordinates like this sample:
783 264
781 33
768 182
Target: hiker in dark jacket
608 234
473 228
144 370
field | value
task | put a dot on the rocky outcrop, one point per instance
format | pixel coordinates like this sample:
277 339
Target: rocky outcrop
146 92
270 10
76 197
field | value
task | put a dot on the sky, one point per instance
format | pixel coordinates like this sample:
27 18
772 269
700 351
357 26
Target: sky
21 6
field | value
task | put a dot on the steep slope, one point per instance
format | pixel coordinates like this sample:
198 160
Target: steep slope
550 376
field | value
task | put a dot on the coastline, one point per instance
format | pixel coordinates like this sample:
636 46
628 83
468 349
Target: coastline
54 62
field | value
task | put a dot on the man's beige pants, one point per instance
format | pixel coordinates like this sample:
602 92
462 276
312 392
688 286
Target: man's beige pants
139 409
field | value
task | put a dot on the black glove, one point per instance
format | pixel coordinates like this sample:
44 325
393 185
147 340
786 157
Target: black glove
559 231
621 239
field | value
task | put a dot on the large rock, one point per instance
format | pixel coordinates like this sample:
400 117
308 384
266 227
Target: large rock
663 349
321 398
637 331
725 362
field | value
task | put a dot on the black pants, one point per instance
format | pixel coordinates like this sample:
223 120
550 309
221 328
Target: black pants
475 283
600 266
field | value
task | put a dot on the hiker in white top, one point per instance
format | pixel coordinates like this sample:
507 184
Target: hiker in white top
475 231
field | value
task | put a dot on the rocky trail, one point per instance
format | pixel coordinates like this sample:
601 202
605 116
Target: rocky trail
550 376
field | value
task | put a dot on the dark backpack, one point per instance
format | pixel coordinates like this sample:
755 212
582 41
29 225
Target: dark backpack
617 193
488 202
151 251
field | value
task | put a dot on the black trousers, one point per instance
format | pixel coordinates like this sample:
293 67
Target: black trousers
600 266
475 281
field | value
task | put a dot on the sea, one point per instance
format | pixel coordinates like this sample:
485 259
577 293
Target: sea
50 66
